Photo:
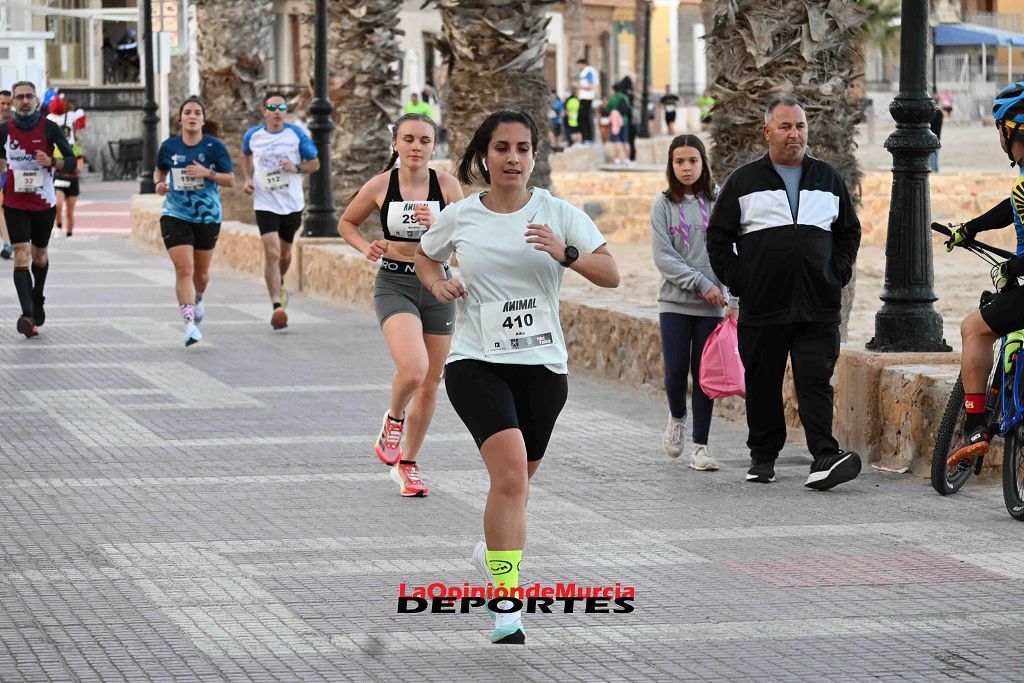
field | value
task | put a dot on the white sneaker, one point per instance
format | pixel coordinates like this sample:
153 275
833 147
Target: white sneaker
480 561
200 312
701 459
191 335
508 628
672 442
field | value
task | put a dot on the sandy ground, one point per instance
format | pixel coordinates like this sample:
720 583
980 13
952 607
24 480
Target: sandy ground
959 277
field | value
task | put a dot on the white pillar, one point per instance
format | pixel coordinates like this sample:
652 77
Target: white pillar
193 51
700 65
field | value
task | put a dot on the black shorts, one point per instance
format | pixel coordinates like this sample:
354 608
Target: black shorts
177 233
670 117
493 397
1004 313
30 226
285 226
70 189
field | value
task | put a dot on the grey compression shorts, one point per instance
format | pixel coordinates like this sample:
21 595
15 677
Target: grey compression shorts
398 290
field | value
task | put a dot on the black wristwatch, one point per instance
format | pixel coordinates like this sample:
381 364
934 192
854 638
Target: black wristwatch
571 254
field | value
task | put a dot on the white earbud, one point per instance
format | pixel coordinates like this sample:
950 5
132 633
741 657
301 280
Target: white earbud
485 165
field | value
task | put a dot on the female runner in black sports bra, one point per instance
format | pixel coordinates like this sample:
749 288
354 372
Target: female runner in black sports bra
417 327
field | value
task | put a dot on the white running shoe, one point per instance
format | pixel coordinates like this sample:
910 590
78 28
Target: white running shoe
701 459
672 442
191 335
508 628
200 312
480 561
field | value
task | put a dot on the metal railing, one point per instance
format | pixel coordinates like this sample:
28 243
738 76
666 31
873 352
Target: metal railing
1004 22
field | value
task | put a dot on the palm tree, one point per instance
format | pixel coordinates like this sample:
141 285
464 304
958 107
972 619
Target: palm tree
495 50
233 42
808 48
365 88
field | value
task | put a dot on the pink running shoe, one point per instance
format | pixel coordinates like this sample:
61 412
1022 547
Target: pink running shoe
408 477
389 442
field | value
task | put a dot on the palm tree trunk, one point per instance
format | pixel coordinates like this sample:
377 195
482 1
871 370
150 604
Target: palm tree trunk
232 48
365 90
495 51
808 48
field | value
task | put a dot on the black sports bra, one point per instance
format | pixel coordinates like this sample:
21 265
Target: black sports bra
396 214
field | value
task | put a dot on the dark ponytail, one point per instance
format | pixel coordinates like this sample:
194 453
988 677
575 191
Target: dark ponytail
471 163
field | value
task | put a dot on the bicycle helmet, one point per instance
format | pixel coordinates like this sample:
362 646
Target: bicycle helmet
1008 110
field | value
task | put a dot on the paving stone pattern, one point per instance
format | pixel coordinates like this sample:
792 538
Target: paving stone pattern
217 513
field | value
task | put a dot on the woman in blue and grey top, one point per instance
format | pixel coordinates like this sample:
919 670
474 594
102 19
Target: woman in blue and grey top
189 170
691 300
416 326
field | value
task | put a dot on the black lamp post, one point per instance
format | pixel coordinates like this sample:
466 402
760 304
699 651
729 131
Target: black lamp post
908 320
321 220
644 130
149 108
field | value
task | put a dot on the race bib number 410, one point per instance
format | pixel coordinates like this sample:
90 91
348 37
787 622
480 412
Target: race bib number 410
516 325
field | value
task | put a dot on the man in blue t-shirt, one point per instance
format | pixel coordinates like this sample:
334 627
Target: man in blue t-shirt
275 155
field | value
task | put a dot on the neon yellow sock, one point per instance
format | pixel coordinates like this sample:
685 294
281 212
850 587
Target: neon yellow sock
504 566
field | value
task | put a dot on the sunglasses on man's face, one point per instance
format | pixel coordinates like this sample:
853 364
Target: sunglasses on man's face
277 107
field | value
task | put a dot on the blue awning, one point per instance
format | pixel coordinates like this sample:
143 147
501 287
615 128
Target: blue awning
974 34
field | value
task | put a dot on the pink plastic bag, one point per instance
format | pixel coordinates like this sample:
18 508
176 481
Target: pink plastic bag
721 370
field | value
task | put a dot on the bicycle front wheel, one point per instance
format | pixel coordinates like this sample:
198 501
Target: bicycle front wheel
1013 472
951 430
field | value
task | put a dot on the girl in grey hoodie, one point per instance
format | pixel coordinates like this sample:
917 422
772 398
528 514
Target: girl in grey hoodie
691 300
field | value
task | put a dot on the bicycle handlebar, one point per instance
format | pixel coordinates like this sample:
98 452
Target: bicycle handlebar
995 251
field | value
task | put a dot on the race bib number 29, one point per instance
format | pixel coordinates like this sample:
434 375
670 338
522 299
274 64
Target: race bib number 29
516 325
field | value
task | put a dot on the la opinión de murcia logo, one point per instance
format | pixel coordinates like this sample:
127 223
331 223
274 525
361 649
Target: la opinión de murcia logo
440 598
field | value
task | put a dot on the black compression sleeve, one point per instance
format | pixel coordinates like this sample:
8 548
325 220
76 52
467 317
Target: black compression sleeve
999 216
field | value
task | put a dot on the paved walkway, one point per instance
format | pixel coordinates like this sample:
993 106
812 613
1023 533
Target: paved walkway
217 513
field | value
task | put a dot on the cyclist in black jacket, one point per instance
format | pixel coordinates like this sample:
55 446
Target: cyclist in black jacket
783 237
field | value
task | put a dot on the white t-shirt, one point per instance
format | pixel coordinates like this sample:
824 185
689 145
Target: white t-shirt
273 189
511 313
68 120
590 83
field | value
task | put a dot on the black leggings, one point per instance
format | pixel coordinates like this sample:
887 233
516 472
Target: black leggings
682 342
493 397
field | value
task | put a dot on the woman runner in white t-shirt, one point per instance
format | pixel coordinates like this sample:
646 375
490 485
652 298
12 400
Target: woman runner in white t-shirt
506 371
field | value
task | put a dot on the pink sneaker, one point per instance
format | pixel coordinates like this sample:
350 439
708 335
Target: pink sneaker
408 477
389 442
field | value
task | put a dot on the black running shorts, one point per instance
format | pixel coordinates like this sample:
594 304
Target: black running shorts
493 397
1004 313
30 226
69 186
177 233
285 226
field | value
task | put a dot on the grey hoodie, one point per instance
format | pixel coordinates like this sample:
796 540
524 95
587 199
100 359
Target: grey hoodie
685 270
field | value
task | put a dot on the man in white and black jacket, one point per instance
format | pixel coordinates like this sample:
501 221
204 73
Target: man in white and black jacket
783 237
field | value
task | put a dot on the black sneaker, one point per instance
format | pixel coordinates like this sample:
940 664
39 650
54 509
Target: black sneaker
38 314
832 470
969 449
26 327
761 471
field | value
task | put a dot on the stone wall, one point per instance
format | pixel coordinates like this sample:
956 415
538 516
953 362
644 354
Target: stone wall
620 201
888 406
